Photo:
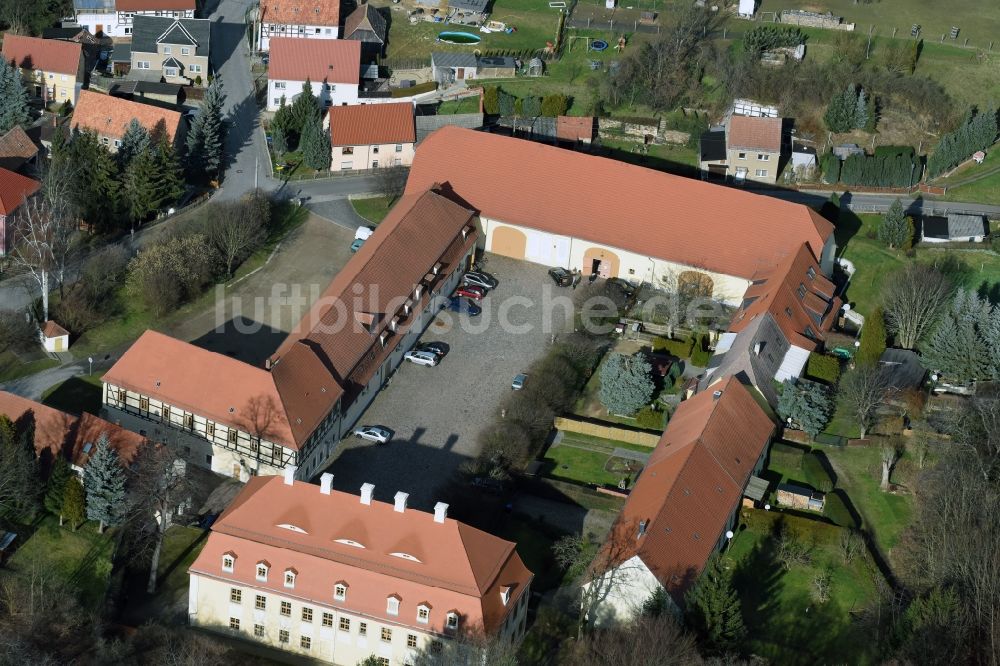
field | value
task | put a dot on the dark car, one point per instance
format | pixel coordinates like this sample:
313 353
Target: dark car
438 348
464 306
561 276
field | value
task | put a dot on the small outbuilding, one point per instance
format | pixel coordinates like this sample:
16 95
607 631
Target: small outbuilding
536 67
902 369
956 227
366 25
747 8
55 338
798 497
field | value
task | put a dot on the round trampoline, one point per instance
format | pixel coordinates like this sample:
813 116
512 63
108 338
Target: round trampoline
598 45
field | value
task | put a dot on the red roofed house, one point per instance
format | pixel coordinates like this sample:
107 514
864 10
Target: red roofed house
332 66
241 420
370 136
52 68
564 208
14 190
753 148
785 315
685 500
335 577
301 19
108 117
58 433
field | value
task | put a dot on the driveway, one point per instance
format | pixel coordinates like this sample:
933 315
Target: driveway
437 412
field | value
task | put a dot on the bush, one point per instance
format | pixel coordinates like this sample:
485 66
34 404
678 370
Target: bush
651 419
169 272
491 100
678 348
823 367
836 510
555 105
700 353
830 166
815 472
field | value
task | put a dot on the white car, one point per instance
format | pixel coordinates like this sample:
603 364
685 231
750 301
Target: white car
422 357
373 434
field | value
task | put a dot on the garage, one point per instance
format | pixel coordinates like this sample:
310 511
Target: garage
509 242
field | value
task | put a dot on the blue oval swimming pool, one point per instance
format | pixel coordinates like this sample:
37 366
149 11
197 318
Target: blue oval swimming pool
459 38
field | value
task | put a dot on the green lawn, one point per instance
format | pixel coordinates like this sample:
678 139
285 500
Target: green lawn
181 546
373 209
971 169
786 625
12 367
81 559
570 463
76 394
462 105
985 191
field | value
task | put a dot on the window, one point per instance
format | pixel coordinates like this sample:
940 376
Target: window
286 608
258 630
289 578
262 572
128 31
329 31
362 628
104 140
742 156
194 68
386 635
185 51
166 408
228 561
166 50
307 614
452 621
411 640
399 147
392 606
347 166
761 173
52 77
375 150
317 30
327 619
374 164
210 429
188 418
423 614
305 642
170 71
260 603
347 150
763 157
234 623
279 85
345 624
233 435
801 291
340 592
142 64
811 272
236 595
283 636
436 647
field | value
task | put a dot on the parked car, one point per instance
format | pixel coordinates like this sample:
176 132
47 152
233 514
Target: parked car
438 348
471 291
480 279
561 276
376 434
356 245
463 306
518 382
421 357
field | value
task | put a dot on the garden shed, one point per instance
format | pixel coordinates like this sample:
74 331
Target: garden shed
798 497
55 338
902 368
956 227
536 67
755 491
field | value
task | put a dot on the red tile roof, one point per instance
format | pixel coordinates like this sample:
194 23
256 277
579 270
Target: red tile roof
777 291
109 116
755 133
48 55
692 484
14 189
16 144
153 5
330 60
59 433
53 330
649 212
575 129
458 568
373 124
301 12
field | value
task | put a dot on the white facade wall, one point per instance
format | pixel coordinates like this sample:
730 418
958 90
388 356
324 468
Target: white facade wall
119 24
627 587
332 94
268 30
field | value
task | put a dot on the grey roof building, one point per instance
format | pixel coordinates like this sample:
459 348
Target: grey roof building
954 227
449 59
903 368
149 31
428 124
756 354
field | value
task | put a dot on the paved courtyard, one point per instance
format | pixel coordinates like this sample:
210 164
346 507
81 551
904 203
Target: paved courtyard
437 412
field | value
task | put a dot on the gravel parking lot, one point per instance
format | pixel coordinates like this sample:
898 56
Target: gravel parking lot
437 412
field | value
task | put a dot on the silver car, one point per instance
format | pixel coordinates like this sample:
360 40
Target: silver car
422 357
484 280
376 434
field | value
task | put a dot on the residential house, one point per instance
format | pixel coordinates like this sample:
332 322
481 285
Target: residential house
242 420
115 18
53 70
666 227
15 189
337 578
371 136
448 67
174 50
753 148
427 125
953 228
108 117
367 25
72 437
332 67
785 315
685 500
301 19
17 151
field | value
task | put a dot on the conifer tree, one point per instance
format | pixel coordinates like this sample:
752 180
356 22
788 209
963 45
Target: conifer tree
714 608
13 97
104 482
315 145
56 489
74 504
134 141
206 140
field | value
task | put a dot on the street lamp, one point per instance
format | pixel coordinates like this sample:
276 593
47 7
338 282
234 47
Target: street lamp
90 360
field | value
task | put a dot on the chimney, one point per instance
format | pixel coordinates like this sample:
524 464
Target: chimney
290 474
716 395
440 512
324 483
366 493
400 499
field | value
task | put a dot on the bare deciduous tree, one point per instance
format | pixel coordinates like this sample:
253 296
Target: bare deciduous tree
914 298
17 330
43 237
864 390
238 228
889 451
390 182
648 640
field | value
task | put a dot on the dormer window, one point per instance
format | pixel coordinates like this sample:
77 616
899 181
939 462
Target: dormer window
290 575
811 272
505 594
262 568
801 291
419 290
392 605
383 337
340 592
437 268
452 620
423 614
228 562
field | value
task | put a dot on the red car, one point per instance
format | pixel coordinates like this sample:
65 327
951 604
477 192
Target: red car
471 291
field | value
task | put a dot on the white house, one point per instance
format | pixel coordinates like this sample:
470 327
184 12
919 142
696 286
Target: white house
54 337
113 18
332 66
299 19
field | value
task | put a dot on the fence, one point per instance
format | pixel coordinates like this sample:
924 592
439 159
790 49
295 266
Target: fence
616 433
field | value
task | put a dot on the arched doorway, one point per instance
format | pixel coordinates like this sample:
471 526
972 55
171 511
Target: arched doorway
603 262
509 242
